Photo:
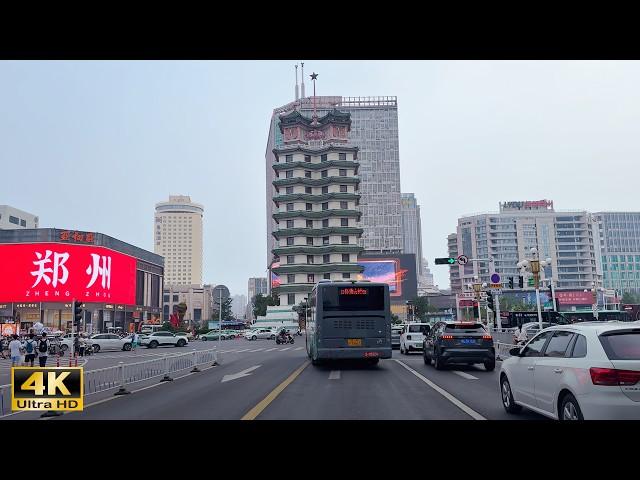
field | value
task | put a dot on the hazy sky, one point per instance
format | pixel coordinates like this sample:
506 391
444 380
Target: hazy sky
94 145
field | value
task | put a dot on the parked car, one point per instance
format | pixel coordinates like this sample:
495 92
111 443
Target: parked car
582 371
531 329
213 335
157 339
262 333
110 341
395 336
412 336
66 341
452 342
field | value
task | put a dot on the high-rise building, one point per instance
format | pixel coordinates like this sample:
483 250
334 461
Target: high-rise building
412 229
178 238
374 131
316 197
619 234
454 273
569 239
239 306
256 285
12 218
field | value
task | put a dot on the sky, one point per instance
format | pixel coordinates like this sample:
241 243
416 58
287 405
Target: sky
94 145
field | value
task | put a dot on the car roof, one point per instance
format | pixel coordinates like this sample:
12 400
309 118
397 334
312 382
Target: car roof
597 327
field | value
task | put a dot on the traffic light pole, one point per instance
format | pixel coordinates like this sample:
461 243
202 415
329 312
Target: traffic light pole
498 320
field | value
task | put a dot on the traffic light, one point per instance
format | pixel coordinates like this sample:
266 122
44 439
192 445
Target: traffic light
475 310
445 261
490 300
550 292
521 281
77 313
511 283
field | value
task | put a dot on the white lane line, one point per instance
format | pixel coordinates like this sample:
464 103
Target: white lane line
465 375
298 348
245 350
271 350
283 349
256 350
468 410
334 375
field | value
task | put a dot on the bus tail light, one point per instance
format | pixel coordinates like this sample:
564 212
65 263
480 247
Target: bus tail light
447 337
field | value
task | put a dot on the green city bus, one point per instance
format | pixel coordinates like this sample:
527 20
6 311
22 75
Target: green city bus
349 320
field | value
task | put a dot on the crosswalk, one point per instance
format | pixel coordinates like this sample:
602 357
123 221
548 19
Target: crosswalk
263 349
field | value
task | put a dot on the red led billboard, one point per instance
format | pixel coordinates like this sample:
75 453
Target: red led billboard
54 272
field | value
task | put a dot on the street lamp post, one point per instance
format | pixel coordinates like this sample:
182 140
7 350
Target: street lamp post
533 265
477 288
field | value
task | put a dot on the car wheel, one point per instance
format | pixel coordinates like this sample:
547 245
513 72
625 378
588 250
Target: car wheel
272 337
489 365
126 347
569 409
508 402
254 338
425 357
437 362
153 344
204 339
181 343
372 361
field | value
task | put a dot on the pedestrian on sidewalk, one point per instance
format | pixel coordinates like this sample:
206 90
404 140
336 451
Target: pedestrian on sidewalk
134 341
43 349
15 348
30 350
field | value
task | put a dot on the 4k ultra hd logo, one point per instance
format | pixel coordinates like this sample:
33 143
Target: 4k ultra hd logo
49 388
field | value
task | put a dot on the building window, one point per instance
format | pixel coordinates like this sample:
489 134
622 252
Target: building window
346 275
344 222
165 298
288 158
344 238
291 259
325 240
23 223
289 173
344 205
289 207
14 220
310 241
327 276
289 190
342 156
308 190
307 158
291 298
325 189
309 223
326 258
289 241
311 278
309 206
325 206
343 172
325 223
324 173
307 173
175 299
291 278
289 223
309 259
343 188
323 158
345 258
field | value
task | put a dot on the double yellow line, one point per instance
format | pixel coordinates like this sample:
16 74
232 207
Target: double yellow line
264 403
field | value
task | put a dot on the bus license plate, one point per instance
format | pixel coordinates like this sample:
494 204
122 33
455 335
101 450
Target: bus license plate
354 342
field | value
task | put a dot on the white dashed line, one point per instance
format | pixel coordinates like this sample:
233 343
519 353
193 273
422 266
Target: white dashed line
334 375
283 349
298 348
256 350
245 350
465 375
271 350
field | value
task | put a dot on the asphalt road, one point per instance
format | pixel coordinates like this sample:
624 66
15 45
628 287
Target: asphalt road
279 383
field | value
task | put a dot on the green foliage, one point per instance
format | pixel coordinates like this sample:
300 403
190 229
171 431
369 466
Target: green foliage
261 302
395 318
630 298
227 314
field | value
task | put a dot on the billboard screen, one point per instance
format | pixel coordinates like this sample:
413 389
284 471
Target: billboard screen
54 272
396 270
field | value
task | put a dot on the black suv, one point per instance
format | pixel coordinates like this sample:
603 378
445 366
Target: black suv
459 342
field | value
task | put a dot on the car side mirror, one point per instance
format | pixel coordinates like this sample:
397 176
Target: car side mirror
515 352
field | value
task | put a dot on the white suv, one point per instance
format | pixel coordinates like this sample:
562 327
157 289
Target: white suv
263 333
412 336
157 339
585 371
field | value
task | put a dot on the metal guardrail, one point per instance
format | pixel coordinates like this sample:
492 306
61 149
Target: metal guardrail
121 375
502 350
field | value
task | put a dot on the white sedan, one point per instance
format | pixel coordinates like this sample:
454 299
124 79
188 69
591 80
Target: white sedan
262 333
110 341
585 371
157 339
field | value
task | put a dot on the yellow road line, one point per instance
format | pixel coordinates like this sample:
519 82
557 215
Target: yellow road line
257 410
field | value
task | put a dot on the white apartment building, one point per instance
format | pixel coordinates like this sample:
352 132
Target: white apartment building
178 238
412 229
255 285
570 239
12 218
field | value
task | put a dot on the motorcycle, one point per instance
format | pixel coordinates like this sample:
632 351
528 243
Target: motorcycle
284 339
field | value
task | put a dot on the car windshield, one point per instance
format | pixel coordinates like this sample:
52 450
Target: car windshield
622 346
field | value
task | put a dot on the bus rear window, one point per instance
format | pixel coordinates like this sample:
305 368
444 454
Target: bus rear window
353 298
464 326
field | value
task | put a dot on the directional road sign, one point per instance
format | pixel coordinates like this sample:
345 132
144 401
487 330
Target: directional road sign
463 259
495 278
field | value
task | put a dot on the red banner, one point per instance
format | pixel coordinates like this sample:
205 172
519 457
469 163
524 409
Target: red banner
55 272
576 297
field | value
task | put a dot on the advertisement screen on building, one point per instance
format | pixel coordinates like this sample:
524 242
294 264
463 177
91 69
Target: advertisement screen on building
275 279
396 270
54 272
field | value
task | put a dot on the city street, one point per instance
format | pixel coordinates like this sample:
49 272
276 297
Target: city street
264 381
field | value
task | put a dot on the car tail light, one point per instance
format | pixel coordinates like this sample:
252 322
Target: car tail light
611 376
447 337
487 337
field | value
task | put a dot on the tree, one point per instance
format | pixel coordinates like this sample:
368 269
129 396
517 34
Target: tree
261 302
395 318
227 314
630 298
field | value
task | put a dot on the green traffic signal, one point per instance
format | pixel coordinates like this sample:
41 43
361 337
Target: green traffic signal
445 261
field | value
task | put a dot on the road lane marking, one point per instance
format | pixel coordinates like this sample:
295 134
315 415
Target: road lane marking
298 348
465 375
334 375
243 373
468 410
283 349
271 350
264 403
245 350
256 350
